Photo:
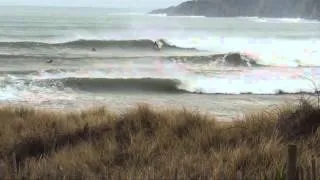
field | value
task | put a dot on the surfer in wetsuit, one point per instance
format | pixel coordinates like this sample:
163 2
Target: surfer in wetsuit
157 45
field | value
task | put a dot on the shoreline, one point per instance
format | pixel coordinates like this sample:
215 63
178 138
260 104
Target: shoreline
226 107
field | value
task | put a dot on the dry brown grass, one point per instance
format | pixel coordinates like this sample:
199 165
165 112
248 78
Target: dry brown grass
160 144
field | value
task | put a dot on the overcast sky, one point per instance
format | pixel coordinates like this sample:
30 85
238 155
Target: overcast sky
96 3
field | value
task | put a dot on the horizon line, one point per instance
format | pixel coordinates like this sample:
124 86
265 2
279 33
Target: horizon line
75 6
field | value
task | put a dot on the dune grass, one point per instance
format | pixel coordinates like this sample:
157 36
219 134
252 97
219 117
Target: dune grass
153 143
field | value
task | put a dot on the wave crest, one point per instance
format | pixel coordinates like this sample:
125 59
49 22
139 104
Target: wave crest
81 43
116 84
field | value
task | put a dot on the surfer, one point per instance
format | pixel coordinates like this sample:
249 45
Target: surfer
49 61
155 45
158 44
94 49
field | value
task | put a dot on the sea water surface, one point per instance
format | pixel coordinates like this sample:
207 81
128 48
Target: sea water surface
106 57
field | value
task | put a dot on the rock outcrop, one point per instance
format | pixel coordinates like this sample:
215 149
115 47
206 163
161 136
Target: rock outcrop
309 9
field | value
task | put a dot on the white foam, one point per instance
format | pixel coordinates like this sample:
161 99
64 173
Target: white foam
268 51
256 82
14 88
158 15
293 20
216 80
154 69
221 80
279 20
8 93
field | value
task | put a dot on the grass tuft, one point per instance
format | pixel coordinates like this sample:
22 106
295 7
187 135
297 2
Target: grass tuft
155 143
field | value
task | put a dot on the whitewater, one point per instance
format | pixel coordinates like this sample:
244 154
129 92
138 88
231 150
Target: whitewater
104 56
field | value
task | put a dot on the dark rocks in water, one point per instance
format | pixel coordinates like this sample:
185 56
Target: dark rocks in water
94 49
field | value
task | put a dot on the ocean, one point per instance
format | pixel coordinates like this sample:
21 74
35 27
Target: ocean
82 57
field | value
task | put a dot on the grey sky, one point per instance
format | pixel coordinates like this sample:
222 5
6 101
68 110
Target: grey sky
96 3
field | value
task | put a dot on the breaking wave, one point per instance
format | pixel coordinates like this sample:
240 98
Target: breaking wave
113 84
281 20
216 85
132 44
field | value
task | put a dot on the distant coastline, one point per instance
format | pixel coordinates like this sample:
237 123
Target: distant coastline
307 9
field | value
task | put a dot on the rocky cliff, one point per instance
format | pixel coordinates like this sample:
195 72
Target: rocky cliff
230 8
